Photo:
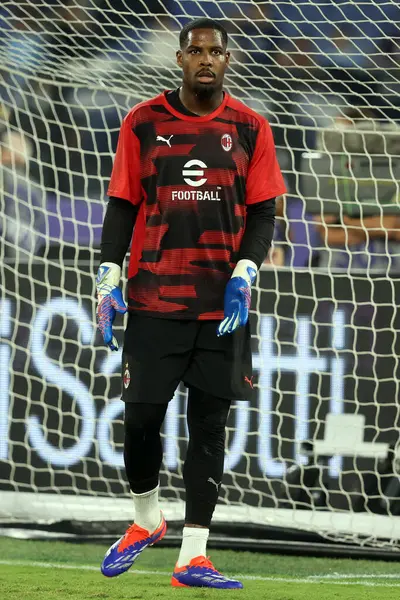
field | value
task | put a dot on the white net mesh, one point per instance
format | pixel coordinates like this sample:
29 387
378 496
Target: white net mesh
322 435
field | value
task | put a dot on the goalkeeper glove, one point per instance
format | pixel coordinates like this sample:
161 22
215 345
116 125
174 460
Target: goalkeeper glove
110 301
238 297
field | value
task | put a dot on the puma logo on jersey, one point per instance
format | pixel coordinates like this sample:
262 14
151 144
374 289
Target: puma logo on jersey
160 138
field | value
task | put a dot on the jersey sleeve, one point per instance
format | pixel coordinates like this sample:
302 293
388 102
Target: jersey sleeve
125 177
264 179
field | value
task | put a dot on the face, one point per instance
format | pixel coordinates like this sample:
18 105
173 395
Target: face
203 60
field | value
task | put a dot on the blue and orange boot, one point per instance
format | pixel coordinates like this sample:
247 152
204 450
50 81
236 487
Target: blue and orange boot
123 553
200 572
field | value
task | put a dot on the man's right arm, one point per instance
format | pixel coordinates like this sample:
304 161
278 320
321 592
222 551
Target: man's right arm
125 194
115 239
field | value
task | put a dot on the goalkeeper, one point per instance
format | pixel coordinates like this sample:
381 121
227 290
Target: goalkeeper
195 176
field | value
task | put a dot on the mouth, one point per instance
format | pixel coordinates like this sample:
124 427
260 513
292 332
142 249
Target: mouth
205 76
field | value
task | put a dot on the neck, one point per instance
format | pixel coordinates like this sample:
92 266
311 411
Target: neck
200 106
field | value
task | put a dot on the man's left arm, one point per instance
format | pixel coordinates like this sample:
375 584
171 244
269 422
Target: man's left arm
256 242
264 181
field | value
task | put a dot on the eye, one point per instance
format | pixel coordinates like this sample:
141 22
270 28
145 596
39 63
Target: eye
216 51
194 51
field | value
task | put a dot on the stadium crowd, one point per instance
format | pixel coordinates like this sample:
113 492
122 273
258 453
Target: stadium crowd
309 66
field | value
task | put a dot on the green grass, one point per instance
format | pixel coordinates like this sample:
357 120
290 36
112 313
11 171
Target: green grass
55 570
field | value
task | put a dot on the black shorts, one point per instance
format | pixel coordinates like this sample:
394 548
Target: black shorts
160 353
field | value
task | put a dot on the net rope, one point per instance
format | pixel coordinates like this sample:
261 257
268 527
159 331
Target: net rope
322 436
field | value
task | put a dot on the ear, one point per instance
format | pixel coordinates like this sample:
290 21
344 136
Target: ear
227 58
179 58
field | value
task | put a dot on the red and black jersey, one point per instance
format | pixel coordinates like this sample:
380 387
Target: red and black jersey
193 177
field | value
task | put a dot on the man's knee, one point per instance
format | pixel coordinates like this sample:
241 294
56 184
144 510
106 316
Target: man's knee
208 413
144 417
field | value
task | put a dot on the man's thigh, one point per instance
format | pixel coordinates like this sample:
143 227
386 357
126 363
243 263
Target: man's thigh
222 366
156 354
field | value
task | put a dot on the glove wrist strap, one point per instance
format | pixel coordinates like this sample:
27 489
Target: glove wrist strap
246 269
109 273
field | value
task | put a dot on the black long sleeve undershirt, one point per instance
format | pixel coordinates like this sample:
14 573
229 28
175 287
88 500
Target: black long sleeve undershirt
117 230
121 217
259 231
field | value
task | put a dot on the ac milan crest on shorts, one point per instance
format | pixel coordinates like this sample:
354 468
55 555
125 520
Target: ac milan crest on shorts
126 379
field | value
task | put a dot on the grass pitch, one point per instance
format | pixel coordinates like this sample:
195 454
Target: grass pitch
31 570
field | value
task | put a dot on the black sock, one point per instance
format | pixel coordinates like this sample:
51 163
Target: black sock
204 465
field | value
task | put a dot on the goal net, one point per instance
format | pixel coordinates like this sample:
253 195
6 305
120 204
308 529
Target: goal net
317 450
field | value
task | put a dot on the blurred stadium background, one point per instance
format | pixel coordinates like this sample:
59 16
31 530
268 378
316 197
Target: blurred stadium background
316 459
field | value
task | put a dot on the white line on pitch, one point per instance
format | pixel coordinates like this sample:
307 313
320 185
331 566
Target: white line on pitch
311 579
356 575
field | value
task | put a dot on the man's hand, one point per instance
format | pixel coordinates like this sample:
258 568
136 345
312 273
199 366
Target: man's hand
238 297
110 301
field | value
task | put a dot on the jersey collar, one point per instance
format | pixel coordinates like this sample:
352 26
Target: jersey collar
196 119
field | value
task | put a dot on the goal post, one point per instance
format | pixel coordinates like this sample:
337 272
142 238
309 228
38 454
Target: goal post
316 453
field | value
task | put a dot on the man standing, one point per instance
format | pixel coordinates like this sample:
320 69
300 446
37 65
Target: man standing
196 176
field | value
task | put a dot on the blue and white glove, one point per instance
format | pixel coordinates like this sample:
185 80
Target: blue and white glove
110 301
238 297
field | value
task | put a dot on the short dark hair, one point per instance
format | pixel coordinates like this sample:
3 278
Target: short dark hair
203 23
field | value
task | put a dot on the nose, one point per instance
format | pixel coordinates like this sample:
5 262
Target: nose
206 59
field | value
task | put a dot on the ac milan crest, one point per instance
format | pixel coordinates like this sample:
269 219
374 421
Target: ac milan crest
127 377
226 142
